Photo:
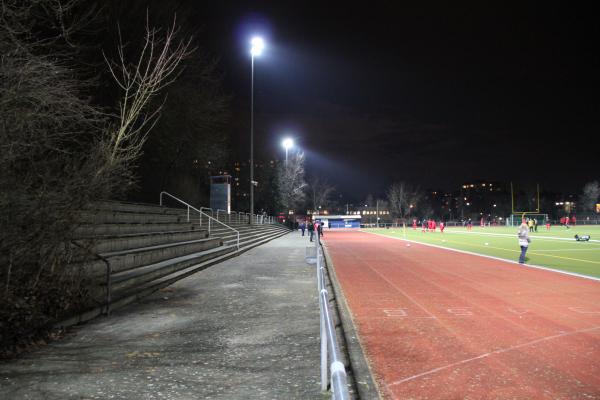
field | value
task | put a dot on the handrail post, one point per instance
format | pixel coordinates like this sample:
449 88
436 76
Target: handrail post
108 286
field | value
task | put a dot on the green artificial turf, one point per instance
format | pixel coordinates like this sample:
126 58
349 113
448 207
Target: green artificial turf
555 248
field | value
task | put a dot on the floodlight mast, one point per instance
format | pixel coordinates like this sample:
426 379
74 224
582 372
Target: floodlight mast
258 46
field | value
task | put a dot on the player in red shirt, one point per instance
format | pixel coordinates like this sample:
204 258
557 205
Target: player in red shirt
414 224
442 226
433 225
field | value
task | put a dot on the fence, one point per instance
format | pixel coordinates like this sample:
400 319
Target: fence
329 345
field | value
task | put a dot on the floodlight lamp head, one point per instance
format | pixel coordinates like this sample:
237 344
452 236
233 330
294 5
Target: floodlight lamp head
258 45
287 143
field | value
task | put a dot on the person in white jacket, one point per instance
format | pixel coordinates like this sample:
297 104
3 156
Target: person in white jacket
524 240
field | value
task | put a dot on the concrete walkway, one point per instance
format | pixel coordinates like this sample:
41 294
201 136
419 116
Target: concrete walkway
247 328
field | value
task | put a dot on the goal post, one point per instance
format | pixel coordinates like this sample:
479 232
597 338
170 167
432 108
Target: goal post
514 199
515 219
529 202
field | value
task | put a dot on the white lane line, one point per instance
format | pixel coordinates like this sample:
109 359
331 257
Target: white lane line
597 248
536 237
500 351
558 271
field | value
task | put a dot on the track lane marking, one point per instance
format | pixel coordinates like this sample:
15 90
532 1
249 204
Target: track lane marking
485 355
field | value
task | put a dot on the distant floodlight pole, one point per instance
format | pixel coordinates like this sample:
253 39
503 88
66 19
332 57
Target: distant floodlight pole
287 144
257 47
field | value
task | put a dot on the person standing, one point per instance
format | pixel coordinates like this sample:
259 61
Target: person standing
311 230
524 240
320 229
303 227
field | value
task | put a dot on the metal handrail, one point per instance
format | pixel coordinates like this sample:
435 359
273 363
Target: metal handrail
337 370
108 274
218 209
200 215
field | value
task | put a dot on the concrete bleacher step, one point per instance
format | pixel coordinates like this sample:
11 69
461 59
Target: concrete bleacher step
136 207
124 260
148 246
134 277
231 239
131 279
92 230
106 244
115 217
167 279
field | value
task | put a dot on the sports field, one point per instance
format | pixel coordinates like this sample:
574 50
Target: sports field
555 248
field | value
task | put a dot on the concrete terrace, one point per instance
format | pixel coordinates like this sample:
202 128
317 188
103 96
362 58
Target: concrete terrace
247 328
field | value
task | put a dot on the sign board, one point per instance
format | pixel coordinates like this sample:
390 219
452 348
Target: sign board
220 193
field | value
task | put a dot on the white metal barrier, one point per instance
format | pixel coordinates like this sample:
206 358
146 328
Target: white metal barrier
329 345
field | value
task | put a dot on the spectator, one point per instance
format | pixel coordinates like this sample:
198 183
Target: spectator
524 240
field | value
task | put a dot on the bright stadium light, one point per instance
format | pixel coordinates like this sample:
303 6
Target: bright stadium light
258 45
287 144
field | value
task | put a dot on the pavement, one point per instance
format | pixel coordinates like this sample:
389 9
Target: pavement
247 328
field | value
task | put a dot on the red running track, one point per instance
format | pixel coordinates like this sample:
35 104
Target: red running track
438 324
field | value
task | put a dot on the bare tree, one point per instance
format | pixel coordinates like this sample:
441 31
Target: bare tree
290 181
140 81
319 190
403 199
59 152
589 197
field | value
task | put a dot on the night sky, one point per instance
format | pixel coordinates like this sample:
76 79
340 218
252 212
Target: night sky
437 95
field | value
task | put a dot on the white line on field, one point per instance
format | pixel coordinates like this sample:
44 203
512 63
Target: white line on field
597 248
558 271
511 235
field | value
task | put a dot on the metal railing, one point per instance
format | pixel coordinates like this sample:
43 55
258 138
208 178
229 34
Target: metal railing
336 368
108 274
201 213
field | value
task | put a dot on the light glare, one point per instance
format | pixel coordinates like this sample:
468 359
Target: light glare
258 44
287 143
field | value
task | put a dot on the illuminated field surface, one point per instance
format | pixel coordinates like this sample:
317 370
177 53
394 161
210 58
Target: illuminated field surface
556 248
435 323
